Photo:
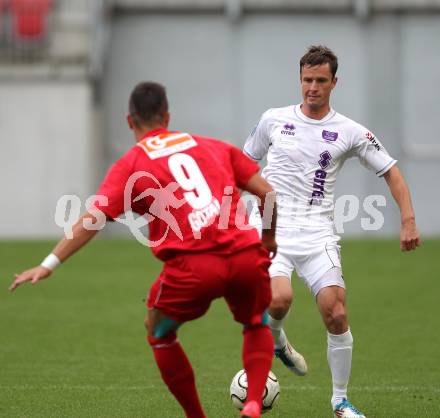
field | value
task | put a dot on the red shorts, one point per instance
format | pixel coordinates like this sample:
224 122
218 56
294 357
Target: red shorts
189 283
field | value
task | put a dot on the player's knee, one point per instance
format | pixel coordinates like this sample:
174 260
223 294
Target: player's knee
158 325
256 321
280 304
163 328
339 320
282 293
161 332
147 324
336 320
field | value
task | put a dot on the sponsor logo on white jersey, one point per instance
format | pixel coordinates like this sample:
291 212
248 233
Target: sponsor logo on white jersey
373 140
288 129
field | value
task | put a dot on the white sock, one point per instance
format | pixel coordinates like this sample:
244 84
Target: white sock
276 327
339 350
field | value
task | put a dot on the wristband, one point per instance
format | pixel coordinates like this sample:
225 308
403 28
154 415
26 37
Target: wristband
51 262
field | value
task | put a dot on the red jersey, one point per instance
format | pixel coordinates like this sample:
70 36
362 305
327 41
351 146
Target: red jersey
186 188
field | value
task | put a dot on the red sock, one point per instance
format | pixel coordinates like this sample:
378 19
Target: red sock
257 359
177 373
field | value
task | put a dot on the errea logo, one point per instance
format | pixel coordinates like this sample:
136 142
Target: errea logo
288 129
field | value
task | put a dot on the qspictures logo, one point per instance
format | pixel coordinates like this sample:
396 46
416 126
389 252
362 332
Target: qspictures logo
202 208
164 203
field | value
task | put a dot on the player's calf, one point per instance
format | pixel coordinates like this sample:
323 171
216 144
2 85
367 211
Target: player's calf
177 373
174 366
257 360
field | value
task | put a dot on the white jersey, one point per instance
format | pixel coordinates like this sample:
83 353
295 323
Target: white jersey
304 157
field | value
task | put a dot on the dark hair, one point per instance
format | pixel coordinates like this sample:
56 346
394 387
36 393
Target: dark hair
318 55
148 103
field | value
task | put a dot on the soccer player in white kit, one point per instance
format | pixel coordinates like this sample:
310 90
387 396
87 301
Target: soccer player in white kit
306 146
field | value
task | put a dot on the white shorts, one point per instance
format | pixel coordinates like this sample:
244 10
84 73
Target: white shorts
313 254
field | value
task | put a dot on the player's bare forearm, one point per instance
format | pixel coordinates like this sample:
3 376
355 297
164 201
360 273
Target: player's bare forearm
82 233
409 235
268 211
400 192
258 186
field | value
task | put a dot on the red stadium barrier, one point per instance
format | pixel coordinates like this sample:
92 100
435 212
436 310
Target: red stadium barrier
30 18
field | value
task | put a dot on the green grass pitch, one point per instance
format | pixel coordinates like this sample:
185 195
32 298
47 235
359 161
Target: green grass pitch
74 345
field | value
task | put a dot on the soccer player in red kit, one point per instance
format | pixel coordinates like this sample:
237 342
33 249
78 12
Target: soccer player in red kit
185 186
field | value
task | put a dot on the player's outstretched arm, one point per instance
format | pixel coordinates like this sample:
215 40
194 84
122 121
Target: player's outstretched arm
259 187
82 232
409 235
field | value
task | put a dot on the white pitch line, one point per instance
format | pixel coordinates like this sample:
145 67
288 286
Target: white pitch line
393 388
293 388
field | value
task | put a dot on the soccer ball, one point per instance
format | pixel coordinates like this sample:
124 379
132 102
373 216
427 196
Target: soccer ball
239 386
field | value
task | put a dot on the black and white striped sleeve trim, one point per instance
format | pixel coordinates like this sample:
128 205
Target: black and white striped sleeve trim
251 156
380 173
